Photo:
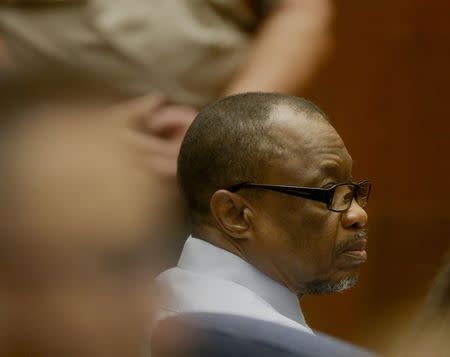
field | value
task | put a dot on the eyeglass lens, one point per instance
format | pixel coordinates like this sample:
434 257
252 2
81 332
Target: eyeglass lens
344 194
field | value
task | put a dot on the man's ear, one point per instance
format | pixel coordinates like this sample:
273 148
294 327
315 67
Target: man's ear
232 214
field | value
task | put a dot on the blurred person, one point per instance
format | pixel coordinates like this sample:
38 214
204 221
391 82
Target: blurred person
191 52
78 222
274 209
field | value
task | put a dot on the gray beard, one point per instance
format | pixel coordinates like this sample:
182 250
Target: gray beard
322 287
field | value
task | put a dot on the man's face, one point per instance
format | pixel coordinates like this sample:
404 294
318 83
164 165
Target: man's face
305 245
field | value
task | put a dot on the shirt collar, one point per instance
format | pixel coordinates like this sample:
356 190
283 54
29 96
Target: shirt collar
202 257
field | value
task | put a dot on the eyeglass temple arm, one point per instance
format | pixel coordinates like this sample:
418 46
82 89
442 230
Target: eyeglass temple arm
316 194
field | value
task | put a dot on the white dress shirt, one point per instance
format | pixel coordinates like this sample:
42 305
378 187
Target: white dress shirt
210 279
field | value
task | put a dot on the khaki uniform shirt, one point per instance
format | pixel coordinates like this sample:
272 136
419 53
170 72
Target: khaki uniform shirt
186 49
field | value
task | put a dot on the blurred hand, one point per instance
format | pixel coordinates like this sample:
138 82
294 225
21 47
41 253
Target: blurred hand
158 127
169 125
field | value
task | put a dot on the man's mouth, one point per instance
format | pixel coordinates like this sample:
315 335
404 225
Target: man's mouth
357 250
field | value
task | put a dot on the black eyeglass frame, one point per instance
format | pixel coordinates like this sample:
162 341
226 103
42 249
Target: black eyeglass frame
320 194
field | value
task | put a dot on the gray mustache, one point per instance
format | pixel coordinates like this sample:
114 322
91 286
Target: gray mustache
360 235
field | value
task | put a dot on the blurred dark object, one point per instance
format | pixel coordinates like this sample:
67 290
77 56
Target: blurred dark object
219 335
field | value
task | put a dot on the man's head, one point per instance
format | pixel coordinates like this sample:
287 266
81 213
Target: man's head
273 139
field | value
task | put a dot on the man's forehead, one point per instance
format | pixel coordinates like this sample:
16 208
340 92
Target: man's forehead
337 167
311 143
300 131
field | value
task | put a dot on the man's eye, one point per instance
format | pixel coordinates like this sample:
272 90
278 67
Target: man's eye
348 197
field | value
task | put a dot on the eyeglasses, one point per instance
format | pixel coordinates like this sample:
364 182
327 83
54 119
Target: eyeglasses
338 198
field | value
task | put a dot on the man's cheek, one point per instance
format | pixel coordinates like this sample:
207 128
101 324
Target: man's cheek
326 242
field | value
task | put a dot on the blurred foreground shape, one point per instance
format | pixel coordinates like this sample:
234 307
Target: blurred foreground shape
79 220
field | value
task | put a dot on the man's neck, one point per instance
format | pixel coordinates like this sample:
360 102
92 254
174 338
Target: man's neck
234 246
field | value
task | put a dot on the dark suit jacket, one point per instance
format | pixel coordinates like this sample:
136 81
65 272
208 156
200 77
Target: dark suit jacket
220 335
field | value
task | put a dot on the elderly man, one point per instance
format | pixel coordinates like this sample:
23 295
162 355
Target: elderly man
274 208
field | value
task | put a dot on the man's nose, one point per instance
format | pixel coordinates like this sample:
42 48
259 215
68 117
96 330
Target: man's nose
355 217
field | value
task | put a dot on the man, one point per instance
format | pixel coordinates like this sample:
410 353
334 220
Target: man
79 209
274 210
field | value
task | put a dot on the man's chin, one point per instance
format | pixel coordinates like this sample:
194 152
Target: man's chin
323 287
